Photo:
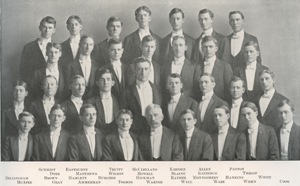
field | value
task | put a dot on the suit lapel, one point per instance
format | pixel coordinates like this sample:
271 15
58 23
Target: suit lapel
73 109
164 143
77 68
84 146
29 148
136 38
100 109
293 136
135 148
260 138
60 140
115 106
214 137
118 146
180 105
46 136
15 147
209 108
156 98
98 146
41 112
12 117
136 94
228 140
273 103
193 144
37 48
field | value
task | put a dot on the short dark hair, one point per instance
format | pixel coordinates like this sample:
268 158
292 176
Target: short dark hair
85 37
75 77
188 111
250 105
58 107
267 71
86 106
235 79
145 8
102 71
176 10
74 17
140 60
114 41
26 114
209 38
124 111
224 107
179 37
286 102
148 38
21 83
48 19
174 75
236 12
212 78
203 11
252 43
54 45
113 19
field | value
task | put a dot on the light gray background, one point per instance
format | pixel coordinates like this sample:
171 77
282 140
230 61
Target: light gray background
275 23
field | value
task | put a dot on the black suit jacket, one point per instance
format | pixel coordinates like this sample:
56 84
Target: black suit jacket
166 51
112 148
132 48
67 54
42 147
242 123
72 123
294 143
234 146
257 90
80 148
100 53
171 149
239 60
266 145
11 148
201 146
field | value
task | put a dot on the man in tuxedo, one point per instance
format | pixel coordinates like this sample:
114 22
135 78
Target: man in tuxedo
72 105
122 145
101 50
106 104
268 102
140 94
207 104
34 53
288 134
176 19
52 145
86 145
132 42
220 70
70 47
206 19
84 66
238 39
250 72
197 145
179 64
237 88
18 146
161 144
262 142
229 144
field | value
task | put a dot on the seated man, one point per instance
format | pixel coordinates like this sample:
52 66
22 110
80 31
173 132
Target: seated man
18 146
262 142
197 145
161 144
229 144
86 145
106 104
52 145
288 134
122 145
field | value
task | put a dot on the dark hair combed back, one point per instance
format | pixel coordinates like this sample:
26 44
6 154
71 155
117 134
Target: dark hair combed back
75 77
224 107
124 111
140 60
252 43
102 71
209 38
176 10
286 102
148 38
250 105
145 8
188 111
267 71
48 19
21 83
58 107
114 41
26 114
84 107
174 75
113 19
74 17
203 11
236 12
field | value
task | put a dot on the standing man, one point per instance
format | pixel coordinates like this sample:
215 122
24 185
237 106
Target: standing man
34 53
132 42
176 19
238 39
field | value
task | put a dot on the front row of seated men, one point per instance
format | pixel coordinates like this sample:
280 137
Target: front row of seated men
256 142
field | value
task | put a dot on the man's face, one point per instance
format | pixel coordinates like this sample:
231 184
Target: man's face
205 21
236 22
105 82
143 18
176 21
206 85
179 47
74 27
114 29
250 54
249 115
266 81
236 89
285 114
56 118
154 117
142 71
50 87
47 29
187 121
209 49
89 117
26 123
53 55
148 49
87 46
115 51
174 85
78 87
220 117
19 93
124 122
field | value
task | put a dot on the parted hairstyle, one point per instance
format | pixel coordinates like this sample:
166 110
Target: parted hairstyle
267 71
85 37
114 41
48 19
145 8
286 102
58 107
188 111
204 11
209 75
113 19
235 79
174 75
74 17
179 37
252 43
54 45
209 38
236 12
100 72
26 114
148 38
84 107
21 83
224 107
140 60
250 105
176 10
124 111
75 77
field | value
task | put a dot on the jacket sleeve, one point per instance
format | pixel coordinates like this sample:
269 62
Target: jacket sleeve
240 151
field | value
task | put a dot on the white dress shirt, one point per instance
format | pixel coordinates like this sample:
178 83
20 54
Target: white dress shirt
176 33
236 42
204 103
189 134
253 131
43 45
53 72
221 139
265 100
235 112
177 65
22 145
127 144
156 136
209 64
48 103
151 75
74 43
90 135
117 65
54 136
250 75
145 94
207 32
143 33
86 64
108 108
77 102
172 105
285 132
18 107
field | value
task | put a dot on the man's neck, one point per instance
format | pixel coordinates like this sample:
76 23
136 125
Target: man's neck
83 57
105 94
52 66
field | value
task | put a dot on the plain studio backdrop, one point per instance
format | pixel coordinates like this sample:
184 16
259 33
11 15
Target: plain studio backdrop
275 23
